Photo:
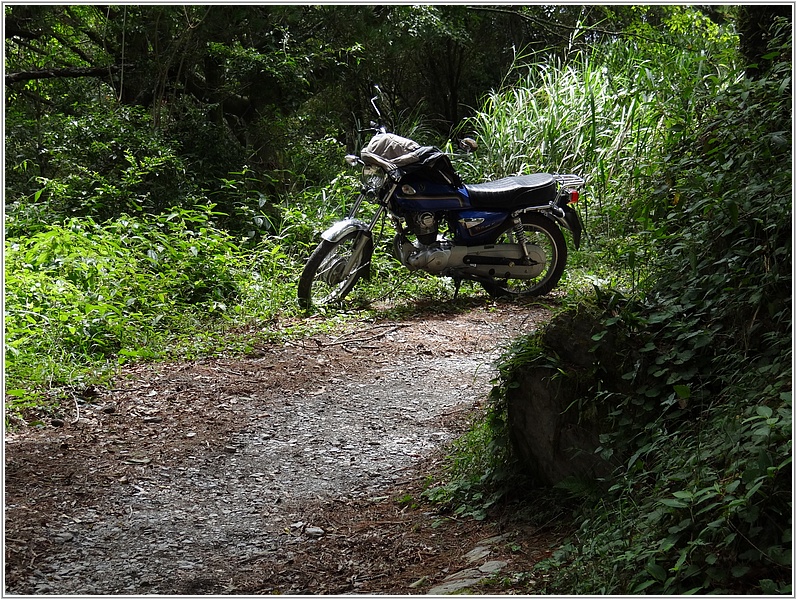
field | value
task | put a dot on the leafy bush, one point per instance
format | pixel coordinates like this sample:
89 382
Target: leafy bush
703 419
92 164
84 293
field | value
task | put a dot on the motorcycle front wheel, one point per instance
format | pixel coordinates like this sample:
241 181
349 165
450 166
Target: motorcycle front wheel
334 268
547 249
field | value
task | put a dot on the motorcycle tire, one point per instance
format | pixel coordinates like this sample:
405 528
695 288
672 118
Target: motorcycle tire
541 233
324 279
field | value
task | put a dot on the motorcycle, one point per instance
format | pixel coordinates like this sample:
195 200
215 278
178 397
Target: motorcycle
505 234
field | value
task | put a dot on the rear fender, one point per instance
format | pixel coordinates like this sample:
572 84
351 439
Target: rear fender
566 216
572 221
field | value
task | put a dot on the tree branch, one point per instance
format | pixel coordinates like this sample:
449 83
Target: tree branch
591 28
66 72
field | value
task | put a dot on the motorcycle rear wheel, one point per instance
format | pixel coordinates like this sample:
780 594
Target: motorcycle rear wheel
329 274
541 233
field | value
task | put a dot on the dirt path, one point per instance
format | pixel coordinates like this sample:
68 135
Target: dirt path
287 471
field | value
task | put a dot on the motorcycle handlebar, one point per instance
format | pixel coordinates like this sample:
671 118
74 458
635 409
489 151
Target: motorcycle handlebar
374 128
373 101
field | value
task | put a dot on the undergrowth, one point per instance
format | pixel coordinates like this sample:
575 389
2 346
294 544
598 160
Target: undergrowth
697 377
84 297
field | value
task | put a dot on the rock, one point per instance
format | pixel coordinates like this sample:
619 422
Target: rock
451 587
465 574
552 433
493 566
477 553
493 540
422 581
314 532
553 438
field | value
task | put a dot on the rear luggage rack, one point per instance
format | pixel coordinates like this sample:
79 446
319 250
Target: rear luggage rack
573 181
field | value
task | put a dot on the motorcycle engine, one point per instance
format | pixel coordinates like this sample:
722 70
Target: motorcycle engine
427 252
424 226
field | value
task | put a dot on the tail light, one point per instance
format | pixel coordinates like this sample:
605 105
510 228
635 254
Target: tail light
573 197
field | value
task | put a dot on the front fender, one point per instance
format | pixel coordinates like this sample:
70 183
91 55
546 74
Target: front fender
365 245
341 229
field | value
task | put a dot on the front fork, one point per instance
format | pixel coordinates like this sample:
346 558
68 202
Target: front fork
356 259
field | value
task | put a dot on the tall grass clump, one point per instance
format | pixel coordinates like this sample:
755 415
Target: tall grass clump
611 115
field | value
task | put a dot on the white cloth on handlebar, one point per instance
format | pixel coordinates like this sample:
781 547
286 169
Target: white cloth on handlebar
391 151
398 155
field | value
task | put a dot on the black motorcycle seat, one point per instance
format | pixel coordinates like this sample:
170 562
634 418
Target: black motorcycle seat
510 192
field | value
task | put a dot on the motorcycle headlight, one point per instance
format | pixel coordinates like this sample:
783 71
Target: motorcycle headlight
373 177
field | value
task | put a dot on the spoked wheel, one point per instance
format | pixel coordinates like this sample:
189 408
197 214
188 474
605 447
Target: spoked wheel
548 252
334 268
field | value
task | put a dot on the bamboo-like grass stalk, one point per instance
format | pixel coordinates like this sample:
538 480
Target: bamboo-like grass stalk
609 116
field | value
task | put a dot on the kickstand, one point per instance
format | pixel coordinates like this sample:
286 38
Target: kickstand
457 284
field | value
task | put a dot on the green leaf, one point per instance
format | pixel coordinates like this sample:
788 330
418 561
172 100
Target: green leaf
740 570
764 411
656 571
672 502
681 560
643 586
693 591
682 391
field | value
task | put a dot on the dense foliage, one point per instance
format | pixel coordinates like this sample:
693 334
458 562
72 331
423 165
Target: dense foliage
168 167
696 368
197 93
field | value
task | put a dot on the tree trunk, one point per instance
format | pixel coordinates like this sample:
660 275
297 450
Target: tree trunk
754 23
